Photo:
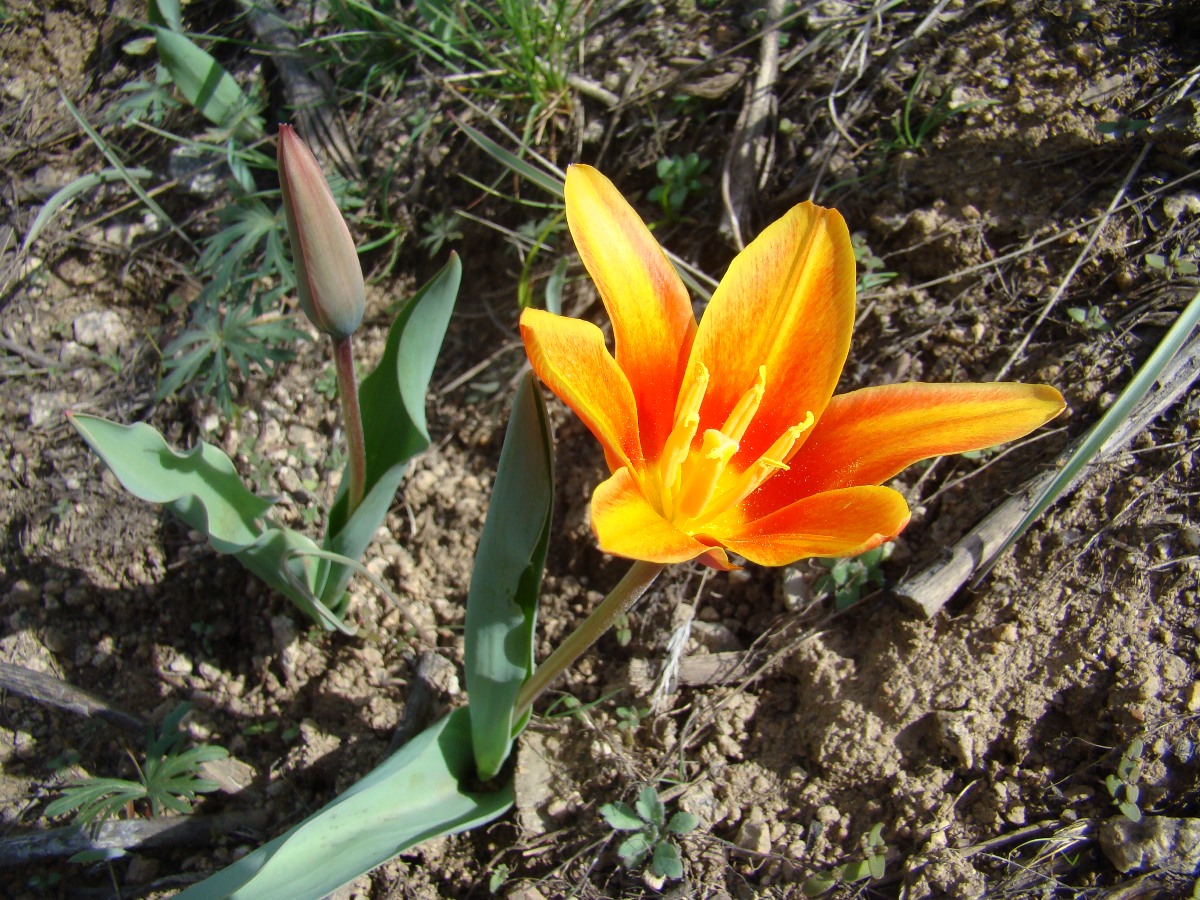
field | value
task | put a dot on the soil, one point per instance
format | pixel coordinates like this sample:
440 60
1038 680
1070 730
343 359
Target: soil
979 739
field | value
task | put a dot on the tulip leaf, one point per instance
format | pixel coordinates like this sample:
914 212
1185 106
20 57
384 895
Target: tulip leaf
165 13
416 794
201 487
502 600
206 84
392 399
66 194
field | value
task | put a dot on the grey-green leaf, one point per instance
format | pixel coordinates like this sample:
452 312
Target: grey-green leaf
682 823
392 398
621 817
417 794
649 806
206 85
634 849
666 862
507 578
200 485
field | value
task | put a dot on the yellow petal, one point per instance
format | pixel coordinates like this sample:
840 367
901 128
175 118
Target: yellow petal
570 358
627 525
786 303
868 436
836 523
653 323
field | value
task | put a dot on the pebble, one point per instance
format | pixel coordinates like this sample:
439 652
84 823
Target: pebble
1156 842
101 330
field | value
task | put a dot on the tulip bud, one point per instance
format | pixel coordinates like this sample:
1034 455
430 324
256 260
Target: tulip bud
328 275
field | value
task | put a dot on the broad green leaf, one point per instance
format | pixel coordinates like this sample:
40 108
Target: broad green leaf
200 485
417 794
392 399
67 193
634 849
166 13
666 862
206 85
502 600
649 806
621 817
682 823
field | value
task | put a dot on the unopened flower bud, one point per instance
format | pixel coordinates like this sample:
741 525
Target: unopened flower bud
328 275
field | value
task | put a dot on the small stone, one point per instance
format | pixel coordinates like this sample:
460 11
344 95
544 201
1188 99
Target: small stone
1193 697
754 836
101 330
1156 842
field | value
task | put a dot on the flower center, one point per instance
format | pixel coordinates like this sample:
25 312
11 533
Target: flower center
697 483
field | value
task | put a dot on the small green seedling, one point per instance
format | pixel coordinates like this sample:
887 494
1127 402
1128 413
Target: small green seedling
1171 266
679 178
1090 318
652 832
873 865
1123 787
630 717
849 578
169 779
909 133
440 228
498 877
869 265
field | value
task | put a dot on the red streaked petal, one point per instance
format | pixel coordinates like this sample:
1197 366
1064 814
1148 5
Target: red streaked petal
627 525
653 323
787 303
836 523
868 436
570 358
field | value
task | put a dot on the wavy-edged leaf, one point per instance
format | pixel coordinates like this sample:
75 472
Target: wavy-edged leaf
69 192
417 794
206 85
392 399
507 578
199 485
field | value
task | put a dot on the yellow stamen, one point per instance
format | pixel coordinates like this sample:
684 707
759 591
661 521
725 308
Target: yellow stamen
774 460
743 414
678 446
702 472
692 395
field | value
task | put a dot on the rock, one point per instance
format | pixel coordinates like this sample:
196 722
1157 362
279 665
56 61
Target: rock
101 330
1154 843
45 406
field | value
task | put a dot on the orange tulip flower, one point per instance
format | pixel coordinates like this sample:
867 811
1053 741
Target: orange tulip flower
726 435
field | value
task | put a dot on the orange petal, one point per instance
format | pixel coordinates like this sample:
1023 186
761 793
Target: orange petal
627 525
867 436
570 358
653 323
786 303
836 523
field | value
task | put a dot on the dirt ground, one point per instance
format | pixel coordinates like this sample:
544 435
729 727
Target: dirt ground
980 739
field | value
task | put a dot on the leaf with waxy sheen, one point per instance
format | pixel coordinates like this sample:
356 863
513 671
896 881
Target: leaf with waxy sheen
203 489
392 399
414 795
507 578
206 84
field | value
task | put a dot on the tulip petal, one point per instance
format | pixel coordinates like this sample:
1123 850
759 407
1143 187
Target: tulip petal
867 436
786 303
836 523
627 525
570 358
653 323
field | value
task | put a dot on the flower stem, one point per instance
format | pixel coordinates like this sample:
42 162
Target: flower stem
639 577
343 363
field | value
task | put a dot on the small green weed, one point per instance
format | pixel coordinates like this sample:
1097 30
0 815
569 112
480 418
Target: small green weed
168 780
498 877
679 179
872 864
849 578
911 130
629 718
1123 786
869 265
1171 266
440 228
652 833
1090 318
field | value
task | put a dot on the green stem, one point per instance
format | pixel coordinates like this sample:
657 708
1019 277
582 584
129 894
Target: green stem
639 577
343 363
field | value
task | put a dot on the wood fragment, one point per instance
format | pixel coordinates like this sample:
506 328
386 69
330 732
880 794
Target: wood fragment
704 668
131 834
928 591
54 691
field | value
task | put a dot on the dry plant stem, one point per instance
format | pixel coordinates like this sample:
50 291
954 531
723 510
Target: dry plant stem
343 362
627 592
